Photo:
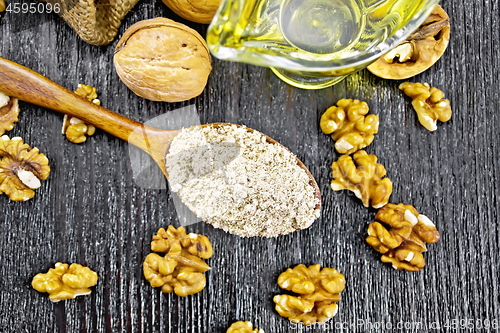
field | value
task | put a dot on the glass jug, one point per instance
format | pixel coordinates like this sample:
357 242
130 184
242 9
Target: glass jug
313 44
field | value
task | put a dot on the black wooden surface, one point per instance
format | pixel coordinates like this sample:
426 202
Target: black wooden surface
90 210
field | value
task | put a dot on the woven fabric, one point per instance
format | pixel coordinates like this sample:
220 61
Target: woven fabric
96 21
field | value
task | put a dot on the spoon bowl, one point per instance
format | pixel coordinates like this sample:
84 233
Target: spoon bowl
23 83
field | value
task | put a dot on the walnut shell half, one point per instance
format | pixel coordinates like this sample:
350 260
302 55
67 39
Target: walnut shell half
199 11
418 52
162 60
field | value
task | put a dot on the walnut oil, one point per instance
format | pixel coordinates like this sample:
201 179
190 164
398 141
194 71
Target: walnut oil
299 34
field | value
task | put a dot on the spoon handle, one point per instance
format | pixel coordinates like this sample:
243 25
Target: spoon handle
29 86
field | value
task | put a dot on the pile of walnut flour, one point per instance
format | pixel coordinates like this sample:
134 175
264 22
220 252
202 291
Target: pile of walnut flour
235 180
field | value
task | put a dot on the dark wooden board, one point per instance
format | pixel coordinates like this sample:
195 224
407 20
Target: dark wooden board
90 210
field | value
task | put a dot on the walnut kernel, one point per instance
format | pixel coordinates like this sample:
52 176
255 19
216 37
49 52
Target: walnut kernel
365 181
243 327
162 60
349 126
181 269
21 169
195 244
9 111
318 294
404 243
418 52
199 11
428 103
74 128
63 282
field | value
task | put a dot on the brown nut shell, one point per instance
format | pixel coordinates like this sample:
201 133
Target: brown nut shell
418 52
162 60
199 11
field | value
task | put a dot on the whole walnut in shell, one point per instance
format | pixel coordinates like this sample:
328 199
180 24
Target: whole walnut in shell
199 11
162 60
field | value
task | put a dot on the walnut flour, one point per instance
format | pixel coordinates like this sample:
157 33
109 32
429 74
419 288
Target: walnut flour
235 180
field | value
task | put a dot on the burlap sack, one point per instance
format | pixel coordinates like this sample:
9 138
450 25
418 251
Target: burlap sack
95 21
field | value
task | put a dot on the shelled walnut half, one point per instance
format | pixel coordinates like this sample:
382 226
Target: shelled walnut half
76 130
318 291
349 126
403 244
21 169
181 269
195 244
365 181
428 103
9 111
418 52
63 282
243 327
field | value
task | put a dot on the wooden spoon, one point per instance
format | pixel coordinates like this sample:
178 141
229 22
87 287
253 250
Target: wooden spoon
29 86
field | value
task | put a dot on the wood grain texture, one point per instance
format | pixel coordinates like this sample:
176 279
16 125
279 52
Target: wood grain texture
90 210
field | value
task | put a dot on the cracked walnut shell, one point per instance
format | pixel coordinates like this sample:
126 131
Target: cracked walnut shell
404 243
365 181
349 126
9 111
428 103
243 327
318 291
21 169
199 11
181 269
63 282
162 60
76 130
418 52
